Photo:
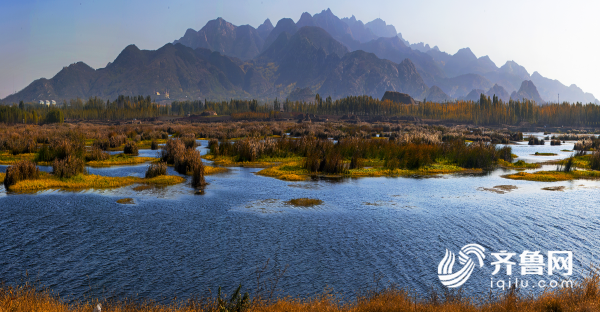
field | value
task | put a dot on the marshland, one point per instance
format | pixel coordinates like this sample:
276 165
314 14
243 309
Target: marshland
349 215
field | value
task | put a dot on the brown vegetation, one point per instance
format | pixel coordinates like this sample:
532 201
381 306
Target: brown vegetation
22 170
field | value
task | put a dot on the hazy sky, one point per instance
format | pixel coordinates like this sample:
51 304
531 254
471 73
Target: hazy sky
559 39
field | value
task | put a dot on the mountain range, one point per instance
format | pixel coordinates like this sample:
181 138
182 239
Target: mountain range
319 53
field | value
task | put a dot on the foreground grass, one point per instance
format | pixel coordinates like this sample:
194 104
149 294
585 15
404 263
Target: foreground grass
584 296
89 181
554 176
121 160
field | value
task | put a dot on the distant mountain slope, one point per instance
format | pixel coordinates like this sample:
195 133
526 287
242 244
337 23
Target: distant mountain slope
361 73
286 25
359 31
527 91
550 89
457 87
308 58
381 29
498 91
321 52
474 95
435 94
265 29
174 68
243 42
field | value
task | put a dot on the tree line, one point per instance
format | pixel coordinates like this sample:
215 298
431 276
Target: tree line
485 111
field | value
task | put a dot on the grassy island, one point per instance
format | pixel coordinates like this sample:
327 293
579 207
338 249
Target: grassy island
554 176
121 159
299 159
518 165
47 181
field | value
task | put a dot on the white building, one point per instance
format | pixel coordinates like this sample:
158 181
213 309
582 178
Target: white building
47 103
41 102
53 102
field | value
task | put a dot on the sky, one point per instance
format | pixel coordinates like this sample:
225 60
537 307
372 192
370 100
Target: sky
558 39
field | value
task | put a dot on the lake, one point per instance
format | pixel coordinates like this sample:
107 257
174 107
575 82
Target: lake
368 232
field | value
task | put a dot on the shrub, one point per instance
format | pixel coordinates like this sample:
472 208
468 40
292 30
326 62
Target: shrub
68 167
131 149
116 140
595 160
156 169
505 153
102 144
153 145
173 149
189 142
22 170
96 154
61 149
198 175
356 162
187 161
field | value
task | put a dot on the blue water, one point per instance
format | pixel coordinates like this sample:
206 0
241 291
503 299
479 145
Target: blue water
172 243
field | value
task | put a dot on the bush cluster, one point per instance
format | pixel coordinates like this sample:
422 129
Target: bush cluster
22 170
156 169
131 149
68 167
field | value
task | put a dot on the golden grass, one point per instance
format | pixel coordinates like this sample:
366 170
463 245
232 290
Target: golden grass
290 171
518 165
7 158
293 171
2 176
48 181
121 160
554 176
578 161
304 202
126 201
584 296
261 163
208 170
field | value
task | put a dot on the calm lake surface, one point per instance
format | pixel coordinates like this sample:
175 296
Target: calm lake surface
172 243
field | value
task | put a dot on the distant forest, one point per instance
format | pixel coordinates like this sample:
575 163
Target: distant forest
486 111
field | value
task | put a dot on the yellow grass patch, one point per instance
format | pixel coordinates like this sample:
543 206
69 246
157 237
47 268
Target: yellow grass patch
48 181
208 170
7 158
554 176
518 165
120 160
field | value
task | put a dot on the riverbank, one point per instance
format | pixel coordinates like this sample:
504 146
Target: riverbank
583 296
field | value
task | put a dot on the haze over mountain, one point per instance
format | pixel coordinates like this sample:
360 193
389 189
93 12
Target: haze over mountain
319 53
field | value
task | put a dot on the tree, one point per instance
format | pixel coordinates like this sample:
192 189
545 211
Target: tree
55 116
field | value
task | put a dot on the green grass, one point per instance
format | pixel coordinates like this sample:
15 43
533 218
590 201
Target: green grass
544 154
